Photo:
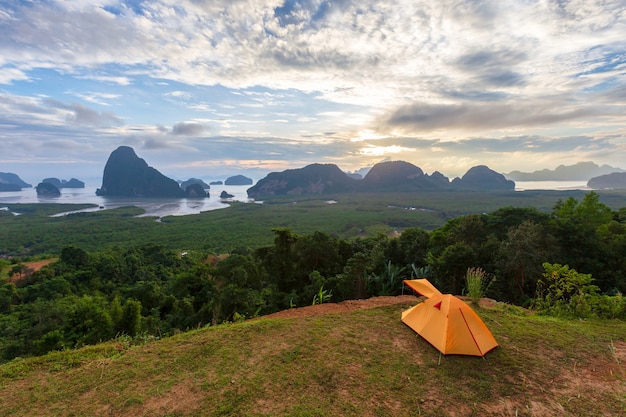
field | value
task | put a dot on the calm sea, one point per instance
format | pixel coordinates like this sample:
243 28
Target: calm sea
155 207
551 185
161 207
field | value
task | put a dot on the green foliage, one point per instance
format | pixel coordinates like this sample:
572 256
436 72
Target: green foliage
389 282
477 282
578 227
134 287
322 296
565 292
560 284
519 259
130 320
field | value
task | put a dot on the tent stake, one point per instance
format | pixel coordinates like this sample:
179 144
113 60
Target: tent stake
439 363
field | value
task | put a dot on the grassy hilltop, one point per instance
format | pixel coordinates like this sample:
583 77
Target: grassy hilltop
351 359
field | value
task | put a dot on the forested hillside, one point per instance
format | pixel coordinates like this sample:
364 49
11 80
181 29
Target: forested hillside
569 261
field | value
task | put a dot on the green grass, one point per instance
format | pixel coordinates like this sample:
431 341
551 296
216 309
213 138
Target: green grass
358 363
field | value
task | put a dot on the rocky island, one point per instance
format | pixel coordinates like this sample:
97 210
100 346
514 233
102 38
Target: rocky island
397 176
127 175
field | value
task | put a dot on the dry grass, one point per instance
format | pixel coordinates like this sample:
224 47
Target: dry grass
354 359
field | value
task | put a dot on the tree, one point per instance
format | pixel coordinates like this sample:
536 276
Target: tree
130 323
576 226
519 261
279 260
502 220
8 297
20 271
74 256
320 252
450 266
410 248
87 321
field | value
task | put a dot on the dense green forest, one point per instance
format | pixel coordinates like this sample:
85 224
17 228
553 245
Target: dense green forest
567 260
34 232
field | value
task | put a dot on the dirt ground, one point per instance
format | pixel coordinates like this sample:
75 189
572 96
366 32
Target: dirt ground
31 267
350 305
36 266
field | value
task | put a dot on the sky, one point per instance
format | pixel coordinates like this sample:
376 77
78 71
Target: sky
213 88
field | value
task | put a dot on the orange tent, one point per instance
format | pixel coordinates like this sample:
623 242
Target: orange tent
422 286
447 323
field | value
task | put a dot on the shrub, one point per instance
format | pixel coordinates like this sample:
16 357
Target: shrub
478 281
322 296
566 292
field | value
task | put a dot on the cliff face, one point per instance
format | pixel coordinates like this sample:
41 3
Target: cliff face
8 178
73 183
9 187
481 178
392 174
195 190
581 171
125 174
402 177
190 181
615 180
238 180
312 179
46 189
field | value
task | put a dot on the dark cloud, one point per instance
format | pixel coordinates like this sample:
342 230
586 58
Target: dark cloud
188 129
155 144
502 78
479 116
500 145
525 143
490 59
83 115
475 95
229 147
493 68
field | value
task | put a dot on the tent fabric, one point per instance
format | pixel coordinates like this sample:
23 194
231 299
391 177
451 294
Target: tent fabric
450 325
422 286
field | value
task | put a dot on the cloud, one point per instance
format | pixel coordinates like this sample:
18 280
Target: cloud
492 69
9 75
188 129
156 144
119 80
427 117
79 114
101 99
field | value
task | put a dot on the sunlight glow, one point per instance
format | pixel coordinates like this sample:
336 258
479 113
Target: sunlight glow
382 150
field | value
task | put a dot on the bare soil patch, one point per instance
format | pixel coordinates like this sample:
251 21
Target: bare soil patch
344 306
30 268
351 305
36 266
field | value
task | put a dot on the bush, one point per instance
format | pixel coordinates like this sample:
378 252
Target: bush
565 292
477 283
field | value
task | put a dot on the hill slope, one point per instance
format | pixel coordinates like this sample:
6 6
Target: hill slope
350 359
